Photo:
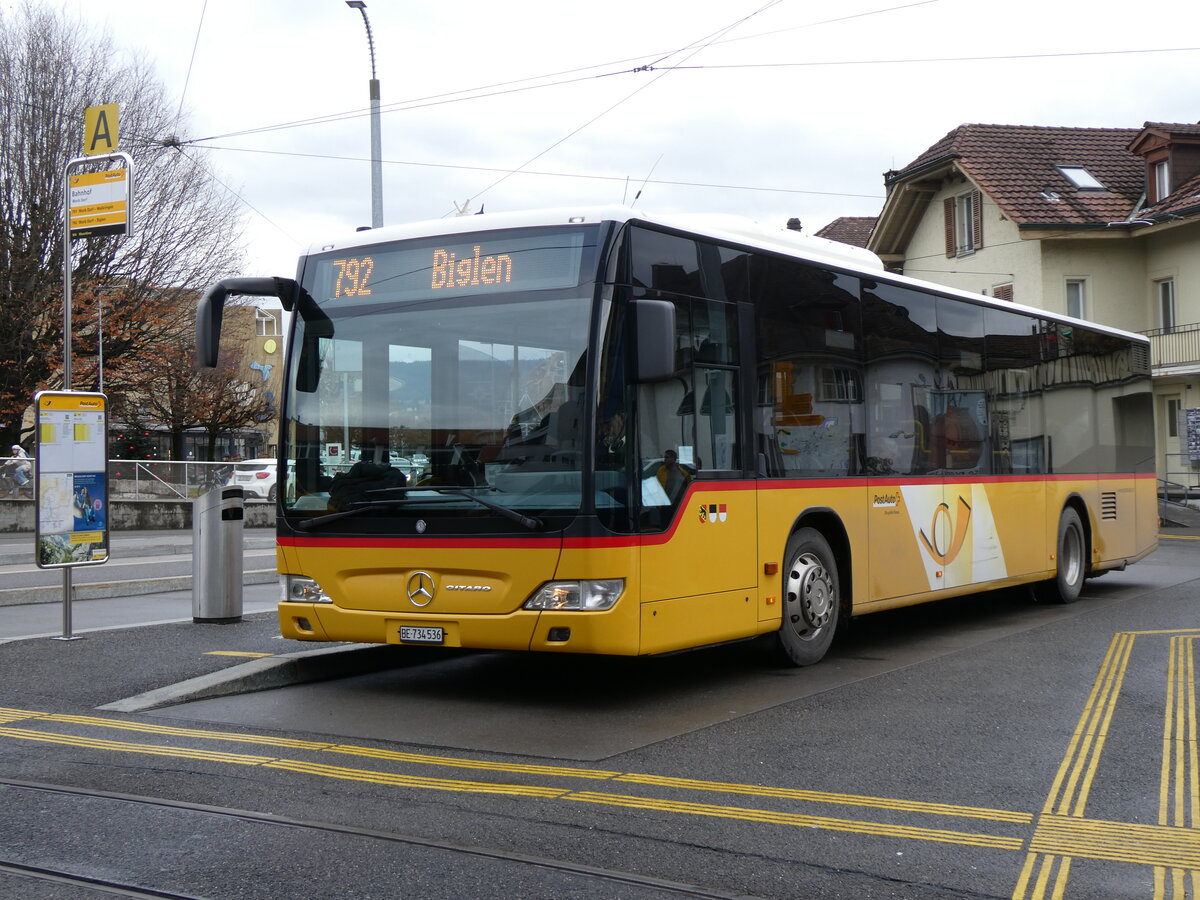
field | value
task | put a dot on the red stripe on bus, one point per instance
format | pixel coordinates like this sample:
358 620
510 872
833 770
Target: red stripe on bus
696 487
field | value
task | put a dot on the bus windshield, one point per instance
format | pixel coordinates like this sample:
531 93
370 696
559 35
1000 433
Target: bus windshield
447 382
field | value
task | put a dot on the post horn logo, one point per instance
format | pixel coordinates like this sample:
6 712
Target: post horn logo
957 528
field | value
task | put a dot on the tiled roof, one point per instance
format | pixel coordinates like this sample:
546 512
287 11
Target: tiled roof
1173 128
1185 199
854 230
1016 165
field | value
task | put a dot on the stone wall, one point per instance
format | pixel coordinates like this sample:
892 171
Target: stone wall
136 515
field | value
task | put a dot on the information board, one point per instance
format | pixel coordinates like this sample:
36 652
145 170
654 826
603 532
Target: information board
72 479
1191 419
99 203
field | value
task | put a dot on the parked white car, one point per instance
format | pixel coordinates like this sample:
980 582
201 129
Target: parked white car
256 477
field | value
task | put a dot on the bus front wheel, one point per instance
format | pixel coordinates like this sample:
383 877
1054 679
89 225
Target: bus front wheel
811 599
1071 558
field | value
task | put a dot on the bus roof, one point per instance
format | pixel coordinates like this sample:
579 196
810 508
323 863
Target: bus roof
728 228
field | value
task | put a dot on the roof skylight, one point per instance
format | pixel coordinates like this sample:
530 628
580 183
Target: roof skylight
1081 178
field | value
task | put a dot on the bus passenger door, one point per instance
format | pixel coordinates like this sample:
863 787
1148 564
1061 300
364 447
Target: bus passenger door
698 511
903 498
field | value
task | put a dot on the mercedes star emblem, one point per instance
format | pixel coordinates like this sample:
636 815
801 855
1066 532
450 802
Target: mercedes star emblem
421 589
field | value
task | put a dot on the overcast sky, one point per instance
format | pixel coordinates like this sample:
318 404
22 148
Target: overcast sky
765 109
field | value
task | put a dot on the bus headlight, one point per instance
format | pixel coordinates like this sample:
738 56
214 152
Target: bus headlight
299 589
580 595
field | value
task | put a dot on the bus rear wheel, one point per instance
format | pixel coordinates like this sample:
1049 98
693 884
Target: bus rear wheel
1071 557
811 599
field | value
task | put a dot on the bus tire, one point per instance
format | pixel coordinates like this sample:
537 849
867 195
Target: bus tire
811 599
1071 557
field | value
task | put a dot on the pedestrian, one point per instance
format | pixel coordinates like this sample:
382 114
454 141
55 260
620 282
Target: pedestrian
20 467
672 476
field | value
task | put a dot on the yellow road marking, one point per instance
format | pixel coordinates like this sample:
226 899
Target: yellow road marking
1179 781
185 732
1071 785
1172 847
397 780
1151 845
797 820
1061 833
938 809
237 653
463 763
47 737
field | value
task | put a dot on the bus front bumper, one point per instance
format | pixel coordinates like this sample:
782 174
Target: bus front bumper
564 632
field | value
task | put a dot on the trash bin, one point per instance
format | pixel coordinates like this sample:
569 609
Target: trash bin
217 556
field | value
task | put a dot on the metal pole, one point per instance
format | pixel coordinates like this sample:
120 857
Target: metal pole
376 140
68 589
376 156
100 343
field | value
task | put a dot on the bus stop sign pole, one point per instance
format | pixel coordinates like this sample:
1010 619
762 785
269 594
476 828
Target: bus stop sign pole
94 204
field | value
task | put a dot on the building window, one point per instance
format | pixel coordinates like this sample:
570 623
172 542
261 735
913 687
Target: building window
1165 291
1075 297
1081 178
1003 292
840 385
265 324
964 223
1174 405
1162 180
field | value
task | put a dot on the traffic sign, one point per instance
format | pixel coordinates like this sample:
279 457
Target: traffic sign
100 126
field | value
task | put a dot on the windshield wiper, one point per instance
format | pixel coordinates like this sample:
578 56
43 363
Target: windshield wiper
530 522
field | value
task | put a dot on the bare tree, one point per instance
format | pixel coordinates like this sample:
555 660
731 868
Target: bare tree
189 229
233 405
167 387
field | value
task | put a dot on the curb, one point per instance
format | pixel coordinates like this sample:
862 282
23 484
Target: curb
265 674
106 590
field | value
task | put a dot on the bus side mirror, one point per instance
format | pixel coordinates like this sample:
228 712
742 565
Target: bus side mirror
654 321
212 305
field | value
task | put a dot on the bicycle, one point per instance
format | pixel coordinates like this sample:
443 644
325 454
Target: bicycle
9 488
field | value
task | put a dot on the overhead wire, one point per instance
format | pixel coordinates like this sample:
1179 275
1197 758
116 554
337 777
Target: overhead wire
486 92
698 46
191 62
719 36
936 59
547 174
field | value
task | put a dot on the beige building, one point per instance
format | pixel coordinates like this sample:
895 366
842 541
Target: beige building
259 332
1098 223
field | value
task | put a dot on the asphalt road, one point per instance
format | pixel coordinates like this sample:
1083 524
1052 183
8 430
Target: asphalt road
981 747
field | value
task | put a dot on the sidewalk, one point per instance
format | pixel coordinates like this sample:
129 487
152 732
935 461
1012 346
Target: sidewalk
16 547
138 648
17 556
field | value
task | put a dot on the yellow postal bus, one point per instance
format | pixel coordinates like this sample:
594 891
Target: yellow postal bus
604 432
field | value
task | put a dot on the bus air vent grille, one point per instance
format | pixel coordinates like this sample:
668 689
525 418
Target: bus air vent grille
1108 505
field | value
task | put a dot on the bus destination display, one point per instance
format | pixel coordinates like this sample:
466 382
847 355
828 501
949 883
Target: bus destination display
478 264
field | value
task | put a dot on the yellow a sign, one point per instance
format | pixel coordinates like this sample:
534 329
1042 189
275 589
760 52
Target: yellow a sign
100 129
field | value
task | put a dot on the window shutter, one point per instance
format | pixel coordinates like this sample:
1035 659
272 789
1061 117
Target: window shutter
1003 292
976 220
948 211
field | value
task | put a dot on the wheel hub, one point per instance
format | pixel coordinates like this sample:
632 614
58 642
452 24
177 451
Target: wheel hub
810 587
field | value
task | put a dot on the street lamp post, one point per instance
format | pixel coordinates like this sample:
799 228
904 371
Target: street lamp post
376 141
